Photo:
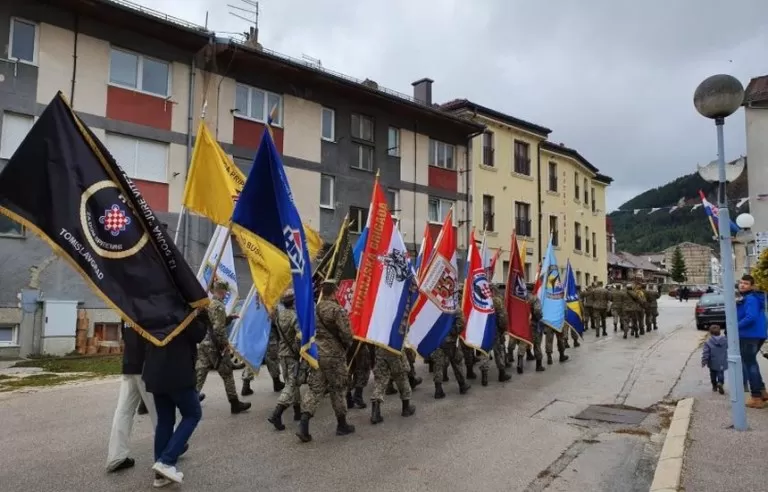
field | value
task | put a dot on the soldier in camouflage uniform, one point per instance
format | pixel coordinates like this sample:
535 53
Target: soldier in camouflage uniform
537 330
333 338
390 366
653 309
214 351
469 360
499 348
550 334
271 360
450 353
618 300
587 300
413 380
600 299
633 306
286 327
360 374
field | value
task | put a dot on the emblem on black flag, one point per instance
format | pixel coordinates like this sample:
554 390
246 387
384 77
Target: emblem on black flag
108 227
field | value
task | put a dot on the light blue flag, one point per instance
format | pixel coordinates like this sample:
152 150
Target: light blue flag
551 293
573 315
359 247
250 335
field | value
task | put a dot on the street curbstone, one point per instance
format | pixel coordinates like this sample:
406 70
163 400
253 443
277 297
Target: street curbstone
669 469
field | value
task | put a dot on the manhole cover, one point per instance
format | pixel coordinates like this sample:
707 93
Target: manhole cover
611 414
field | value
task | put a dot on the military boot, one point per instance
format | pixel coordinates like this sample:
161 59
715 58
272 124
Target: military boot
549 359
519 364
539 366
471 371
445 374
529 354
350 402
576 343
431 365
277 385
357 399
276 418
237 406
376 412
342 427
566 344
246 388
303 433
463 384
563 357
390 388
503 376
296 412
408 409
414 381
484 377
597 333
605 334
439 393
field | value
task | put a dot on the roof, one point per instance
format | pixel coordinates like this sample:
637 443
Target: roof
628 260
304 69
572 153
756 91
122 13
465 104
603 178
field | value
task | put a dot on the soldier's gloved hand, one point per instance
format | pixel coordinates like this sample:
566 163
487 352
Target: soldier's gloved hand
231 318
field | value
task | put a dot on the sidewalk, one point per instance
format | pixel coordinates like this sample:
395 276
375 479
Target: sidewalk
718 458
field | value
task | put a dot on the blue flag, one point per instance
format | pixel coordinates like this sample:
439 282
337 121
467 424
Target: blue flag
250 335
551 293
573 315
266 208
359 247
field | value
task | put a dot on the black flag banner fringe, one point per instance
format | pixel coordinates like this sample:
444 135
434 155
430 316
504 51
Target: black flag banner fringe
65 186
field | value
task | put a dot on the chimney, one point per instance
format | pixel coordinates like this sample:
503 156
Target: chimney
422 91
252 38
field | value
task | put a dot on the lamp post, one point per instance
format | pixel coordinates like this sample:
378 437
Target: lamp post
745 221
718 97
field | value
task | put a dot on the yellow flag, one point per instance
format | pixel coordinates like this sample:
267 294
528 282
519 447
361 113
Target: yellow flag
523 252
213 185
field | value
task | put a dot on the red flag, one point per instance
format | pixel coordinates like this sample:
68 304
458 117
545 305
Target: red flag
516 298
537 282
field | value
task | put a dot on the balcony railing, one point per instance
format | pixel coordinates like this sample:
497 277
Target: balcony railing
523 227
488 221
488 156
522 165
577 243
553 183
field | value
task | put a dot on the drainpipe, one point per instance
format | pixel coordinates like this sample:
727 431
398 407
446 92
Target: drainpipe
190 122
415 161
74 62
538 198
470 198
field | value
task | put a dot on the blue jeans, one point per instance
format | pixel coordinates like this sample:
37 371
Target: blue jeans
169 444
750 347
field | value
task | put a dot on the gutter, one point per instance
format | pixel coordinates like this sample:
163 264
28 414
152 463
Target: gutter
470 198
538 200
190 122
74 61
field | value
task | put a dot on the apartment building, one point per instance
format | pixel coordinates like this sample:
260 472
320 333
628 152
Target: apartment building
143 80
522 182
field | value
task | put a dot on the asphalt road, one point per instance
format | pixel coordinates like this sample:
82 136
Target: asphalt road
517 436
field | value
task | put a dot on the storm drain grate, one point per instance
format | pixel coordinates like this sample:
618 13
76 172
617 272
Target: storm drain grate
612 414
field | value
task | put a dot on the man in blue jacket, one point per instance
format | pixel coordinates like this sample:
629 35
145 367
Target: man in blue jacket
750 311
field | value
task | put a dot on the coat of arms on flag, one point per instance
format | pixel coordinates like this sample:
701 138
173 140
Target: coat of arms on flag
482 297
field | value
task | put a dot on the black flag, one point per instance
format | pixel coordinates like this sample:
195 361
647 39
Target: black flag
341 267
64 185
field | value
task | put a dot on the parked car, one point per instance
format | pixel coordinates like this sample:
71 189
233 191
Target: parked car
710 310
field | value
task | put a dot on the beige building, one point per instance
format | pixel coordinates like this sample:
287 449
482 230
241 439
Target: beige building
756 116
698 262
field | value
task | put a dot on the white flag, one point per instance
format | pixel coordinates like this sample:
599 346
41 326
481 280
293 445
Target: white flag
741 202
226 268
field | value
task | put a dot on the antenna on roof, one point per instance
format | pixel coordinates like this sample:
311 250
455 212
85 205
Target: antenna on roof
314 61
251 16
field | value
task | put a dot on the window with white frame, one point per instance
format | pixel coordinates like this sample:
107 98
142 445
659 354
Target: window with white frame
442 154
362 127
327 184
257 104
9 335
15 128
363 158
22 44
393 202
358 217
393 142
437 209
328 124
142 159
139 72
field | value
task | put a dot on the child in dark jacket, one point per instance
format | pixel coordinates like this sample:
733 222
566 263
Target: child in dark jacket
715 356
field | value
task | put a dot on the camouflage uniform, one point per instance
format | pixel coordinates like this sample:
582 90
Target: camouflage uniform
390 365
536 330
286 328
360 373
499 345
450 353
633 306
618 308
651 309
469 359
209 357
600 298
587 299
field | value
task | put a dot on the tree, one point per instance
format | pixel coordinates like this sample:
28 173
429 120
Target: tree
678 271
760 271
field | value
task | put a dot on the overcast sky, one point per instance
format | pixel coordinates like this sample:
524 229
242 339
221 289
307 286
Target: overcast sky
613 79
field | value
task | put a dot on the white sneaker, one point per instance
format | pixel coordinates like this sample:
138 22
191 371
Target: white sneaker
160 481
169 472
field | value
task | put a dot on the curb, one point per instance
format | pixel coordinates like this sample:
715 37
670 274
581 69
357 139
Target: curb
670 466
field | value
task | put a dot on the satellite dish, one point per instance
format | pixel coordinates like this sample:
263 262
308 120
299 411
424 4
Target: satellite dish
733 170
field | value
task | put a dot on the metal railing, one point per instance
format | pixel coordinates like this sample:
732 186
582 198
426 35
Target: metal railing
157 14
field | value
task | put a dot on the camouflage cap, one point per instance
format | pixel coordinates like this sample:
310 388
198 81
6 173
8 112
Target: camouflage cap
288 296
221 285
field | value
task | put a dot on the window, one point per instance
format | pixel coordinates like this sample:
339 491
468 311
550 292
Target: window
488 149
106 332
586 279
528 275
587 250
393 201
327 184
258 104
141 159
576 190
362 127
23 41
328 124
594 245
139 72
357 219
363 158
8 335
594 209
488 213
15 128
586 192
522 158
504 271
577 236
437 210
553 230
442 154
578 277
553 176
523 219
393 142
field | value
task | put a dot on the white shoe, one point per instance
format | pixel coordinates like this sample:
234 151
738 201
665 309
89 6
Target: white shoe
160 481
169 472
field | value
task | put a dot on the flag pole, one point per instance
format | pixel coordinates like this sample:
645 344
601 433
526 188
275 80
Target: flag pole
218 258
178 225
336 244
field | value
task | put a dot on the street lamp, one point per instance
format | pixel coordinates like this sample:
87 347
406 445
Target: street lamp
718 97
745 222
